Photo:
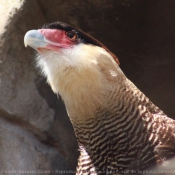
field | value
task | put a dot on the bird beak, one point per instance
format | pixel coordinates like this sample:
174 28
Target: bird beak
35 39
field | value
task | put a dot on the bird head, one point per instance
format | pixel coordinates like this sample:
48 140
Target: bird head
68 56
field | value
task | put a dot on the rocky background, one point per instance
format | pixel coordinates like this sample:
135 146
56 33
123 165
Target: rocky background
35 132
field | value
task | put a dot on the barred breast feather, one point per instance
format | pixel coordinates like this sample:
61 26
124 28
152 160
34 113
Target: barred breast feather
130 135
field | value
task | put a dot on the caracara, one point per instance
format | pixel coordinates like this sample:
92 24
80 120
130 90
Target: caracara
118 129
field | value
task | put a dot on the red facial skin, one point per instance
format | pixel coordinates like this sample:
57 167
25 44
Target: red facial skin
56 39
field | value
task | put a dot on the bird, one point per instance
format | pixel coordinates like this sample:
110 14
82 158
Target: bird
118 129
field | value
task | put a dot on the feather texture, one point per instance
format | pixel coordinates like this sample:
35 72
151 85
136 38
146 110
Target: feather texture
118 129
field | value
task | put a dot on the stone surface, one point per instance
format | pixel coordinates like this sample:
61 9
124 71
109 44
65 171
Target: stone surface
35 131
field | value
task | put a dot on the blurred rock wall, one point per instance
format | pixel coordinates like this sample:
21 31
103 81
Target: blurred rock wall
35 132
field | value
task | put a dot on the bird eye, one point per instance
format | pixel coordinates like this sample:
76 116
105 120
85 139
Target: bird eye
72 35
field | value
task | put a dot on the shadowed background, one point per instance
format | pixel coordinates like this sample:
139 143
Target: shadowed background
35 132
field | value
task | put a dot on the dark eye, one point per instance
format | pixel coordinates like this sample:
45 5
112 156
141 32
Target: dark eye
72 35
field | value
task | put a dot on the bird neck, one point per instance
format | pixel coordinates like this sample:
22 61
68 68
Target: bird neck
83 98
109 108
95 100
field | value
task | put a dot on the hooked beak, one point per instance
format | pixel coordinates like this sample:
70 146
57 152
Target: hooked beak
35 39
